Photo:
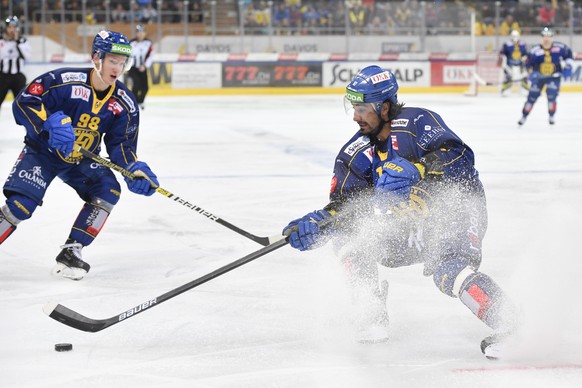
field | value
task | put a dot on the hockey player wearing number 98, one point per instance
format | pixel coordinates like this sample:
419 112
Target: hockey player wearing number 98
404 191
61 111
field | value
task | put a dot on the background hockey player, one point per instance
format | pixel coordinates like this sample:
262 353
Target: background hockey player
512 60
544 62
141 54
415 197
64 109
14 51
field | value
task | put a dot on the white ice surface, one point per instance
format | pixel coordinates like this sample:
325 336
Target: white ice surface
280 321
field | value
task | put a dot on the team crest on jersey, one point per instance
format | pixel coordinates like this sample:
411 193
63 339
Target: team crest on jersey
357 145
399 123
36 89
114 106
394 141
125 97
74 77
79 92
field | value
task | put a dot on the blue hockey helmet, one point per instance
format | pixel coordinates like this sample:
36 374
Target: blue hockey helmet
548 31
373 85
12 21
109 42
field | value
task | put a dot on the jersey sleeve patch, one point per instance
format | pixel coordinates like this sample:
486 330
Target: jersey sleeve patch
35 89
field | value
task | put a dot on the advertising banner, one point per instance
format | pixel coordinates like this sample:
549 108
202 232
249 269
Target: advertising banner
260 74
195 75
339 74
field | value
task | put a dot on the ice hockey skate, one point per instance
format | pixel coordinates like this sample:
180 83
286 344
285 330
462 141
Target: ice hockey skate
495 346
552 120
522 120
69 264
372 315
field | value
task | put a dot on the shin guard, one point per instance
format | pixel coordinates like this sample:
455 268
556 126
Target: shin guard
487 301
90 221
7 223
18 208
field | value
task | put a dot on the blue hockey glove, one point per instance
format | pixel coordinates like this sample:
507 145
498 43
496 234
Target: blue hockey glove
533 76
567 71
61 132
398 176
304 233
145 182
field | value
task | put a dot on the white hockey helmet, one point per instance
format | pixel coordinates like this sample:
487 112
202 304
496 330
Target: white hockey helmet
515 35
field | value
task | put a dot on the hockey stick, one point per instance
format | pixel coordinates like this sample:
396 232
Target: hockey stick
261 240
78 321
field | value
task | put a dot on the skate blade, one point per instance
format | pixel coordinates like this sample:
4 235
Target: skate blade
63 271
494 351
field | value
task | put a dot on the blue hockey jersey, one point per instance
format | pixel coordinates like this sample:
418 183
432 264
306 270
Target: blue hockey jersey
414 133
548 61
514 52
111 116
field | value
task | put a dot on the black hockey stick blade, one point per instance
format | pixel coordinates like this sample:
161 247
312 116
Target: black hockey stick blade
78 321
264 241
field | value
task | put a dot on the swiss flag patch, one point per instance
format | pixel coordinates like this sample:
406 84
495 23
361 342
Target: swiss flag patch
35 89
114 106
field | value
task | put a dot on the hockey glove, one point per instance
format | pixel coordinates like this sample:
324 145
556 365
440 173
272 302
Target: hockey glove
145 181
533 76
304 233
398 176
567 71
61 135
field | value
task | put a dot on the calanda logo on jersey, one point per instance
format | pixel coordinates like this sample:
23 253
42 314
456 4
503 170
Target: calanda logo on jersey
33 176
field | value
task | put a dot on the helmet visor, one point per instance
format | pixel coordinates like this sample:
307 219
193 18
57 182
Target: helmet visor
358 108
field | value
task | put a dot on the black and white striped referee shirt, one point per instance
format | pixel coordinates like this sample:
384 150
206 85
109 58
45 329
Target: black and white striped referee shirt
13 54
141 51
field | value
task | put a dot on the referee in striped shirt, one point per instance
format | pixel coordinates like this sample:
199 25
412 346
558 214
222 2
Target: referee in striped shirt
14 50
141 52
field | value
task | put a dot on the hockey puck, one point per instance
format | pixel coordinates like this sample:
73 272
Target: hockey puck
63 347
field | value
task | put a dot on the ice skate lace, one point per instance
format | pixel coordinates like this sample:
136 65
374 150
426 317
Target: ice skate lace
75 248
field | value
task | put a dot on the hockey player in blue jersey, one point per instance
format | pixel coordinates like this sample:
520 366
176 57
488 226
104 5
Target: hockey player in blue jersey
512 60
544 62
61 111
412 195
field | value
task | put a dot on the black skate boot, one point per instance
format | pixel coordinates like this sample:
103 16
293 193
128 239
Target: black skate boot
69 264
495 346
